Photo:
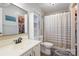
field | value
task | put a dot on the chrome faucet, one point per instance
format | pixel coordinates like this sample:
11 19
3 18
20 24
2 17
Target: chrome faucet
19 40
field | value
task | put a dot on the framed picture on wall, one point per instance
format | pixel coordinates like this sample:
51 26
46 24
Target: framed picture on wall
10 18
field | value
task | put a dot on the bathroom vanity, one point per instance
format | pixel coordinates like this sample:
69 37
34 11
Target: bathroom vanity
25 48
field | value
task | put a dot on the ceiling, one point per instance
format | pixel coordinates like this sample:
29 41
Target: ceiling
46 8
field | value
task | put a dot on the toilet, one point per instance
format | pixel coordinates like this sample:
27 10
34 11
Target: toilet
46 47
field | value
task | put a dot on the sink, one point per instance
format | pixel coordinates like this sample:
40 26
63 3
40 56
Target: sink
5 42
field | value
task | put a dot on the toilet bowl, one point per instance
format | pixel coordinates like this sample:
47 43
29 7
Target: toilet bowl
45 46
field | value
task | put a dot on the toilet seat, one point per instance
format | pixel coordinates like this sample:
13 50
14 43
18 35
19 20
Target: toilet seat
47 44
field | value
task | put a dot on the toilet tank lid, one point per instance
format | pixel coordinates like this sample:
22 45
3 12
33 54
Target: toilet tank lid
47 44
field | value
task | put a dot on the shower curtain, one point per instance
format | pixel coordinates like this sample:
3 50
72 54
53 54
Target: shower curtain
57 29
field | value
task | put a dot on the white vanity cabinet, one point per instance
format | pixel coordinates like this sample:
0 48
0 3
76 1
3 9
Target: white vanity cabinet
35 51
29 53
25 48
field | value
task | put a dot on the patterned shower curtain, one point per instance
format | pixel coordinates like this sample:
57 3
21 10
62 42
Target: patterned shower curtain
57 29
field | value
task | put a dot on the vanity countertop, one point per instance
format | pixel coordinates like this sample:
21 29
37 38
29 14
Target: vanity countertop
6 37
18 49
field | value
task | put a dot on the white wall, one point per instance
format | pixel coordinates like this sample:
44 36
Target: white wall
78 31
8 26
0 20
41 25
26 23
31 25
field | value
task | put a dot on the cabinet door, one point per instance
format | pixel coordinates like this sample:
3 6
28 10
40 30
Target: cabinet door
36 50
29 53
33 52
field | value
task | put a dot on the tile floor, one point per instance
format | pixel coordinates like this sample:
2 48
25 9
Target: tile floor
57 52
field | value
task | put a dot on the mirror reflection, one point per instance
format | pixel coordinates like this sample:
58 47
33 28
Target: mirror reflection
13 19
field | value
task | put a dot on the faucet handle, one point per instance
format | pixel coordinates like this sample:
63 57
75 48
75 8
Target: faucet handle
16 41
20 38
